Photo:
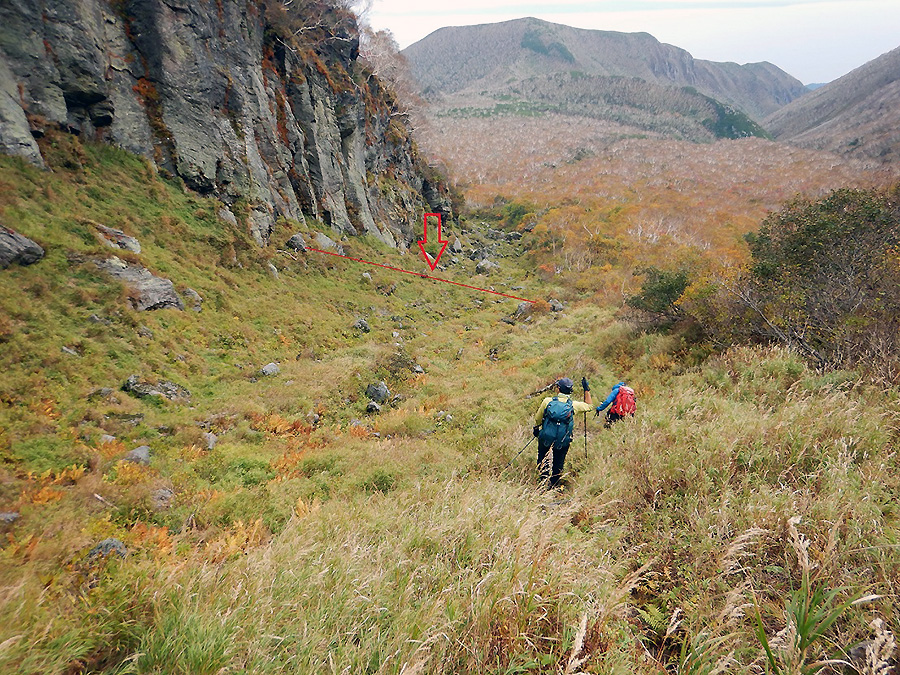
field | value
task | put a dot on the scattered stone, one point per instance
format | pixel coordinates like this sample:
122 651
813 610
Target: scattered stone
272 270
118 239
313 418
93 318
145 332
459 354
270 370
373 407
524 309
327 243
296 243
397 399
556 305
69 351
139 455
16 248
161 499
167 390
210 439
418 370
486 266
149 292
130 419
367 277
195 299
101 393
9 517
378 392
107 438
456 246
363 325
107 547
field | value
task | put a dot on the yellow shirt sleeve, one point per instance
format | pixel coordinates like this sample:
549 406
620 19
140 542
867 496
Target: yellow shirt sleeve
539 417
581 406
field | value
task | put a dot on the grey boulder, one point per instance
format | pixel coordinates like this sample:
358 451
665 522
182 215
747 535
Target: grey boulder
328 244
161 499
165 389
296 243
378 392
486 267
107 547
118 239
139 455
148 290
270 369
18 249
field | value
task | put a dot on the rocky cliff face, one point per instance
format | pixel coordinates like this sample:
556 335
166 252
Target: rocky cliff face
266 109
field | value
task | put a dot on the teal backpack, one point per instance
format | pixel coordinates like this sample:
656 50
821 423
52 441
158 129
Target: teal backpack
558 423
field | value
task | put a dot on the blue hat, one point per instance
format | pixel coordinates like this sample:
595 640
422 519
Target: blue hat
565 385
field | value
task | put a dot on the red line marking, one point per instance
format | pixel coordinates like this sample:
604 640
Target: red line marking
418 274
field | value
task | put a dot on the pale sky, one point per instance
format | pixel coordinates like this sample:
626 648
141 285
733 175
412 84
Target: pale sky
813 40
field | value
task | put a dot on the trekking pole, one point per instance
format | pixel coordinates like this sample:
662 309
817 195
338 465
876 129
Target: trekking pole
517 456
585 436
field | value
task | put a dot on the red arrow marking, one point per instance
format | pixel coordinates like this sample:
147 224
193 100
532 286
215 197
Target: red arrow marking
423 242
418 274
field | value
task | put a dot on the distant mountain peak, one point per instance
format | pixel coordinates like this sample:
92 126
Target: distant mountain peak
486 57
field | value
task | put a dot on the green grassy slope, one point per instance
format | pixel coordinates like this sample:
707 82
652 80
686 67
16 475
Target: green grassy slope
396 542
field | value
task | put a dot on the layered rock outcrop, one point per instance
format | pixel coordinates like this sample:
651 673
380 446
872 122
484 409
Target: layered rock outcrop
266 108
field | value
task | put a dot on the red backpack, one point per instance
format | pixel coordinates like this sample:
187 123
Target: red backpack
625 402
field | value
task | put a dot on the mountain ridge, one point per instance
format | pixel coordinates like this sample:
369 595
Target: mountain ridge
456 59
847 116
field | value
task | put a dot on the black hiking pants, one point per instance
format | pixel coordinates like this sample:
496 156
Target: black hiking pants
612 418
551 469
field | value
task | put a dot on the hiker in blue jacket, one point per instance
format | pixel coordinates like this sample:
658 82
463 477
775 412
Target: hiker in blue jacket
554 424
623 403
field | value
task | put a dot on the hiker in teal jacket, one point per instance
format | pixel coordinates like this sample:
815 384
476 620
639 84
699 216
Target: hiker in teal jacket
621 406
554 423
